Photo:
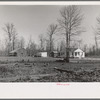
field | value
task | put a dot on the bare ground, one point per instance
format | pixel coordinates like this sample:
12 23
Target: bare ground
14 69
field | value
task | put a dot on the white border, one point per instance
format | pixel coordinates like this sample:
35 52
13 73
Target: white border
50 90
51 3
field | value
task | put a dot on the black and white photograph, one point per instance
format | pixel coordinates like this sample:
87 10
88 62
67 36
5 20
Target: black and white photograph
49 43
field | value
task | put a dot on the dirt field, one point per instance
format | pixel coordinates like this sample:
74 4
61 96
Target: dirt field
14 69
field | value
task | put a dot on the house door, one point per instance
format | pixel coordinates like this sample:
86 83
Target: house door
15 54
22 54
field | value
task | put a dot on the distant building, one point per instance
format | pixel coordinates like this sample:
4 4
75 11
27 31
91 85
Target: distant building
47 54
54 54
41 54
74 52
79 53
44 54
21 52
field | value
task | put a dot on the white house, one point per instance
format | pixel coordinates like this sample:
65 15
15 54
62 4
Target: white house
79 53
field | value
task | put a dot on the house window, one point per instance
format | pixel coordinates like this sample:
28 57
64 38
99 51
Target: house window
78 53
75 53
22 54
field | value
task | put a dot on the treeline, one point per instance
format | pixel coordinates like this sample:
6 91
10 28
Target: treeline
92 51
68 29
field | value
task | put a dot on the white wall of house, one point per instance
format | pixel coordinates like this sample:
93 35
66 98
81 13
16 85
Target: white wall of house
79 53
43 54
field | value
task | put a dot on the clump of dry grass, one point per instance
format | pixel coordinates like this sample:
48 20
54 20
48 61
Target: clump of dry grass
83 76
4 71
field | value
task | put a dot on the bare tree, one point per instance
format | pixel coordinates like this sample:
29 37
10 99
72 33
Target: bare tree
31 47
11 36
79 43
50 32
48 45
62 47
28 46
21 42
42 42
85 48
14 40
74 44
2 49
96 43
70 24
97 33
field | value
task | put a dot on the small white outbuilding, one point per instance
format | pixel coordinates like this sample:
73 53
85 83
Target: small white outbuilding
78 53
43 54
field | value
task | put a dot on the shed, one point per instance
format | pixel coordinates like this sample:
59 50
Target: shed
41 54
54 54
18 52
79 53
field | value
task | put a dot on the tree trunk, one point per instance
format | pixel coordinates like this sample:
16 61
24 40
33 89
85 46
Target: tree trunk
67 48
67 57
50 46
13 45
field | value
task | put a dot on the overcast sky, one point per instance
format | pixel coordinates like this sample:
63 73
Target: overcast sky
33 20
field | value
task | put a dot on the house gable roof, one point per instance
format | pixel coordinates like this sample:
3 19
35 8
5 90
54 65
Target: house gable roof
55 51
78 50
14 51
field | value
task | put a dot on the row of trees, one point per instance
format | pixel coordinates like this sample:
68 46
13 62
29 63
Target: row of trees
68 25
94 50
11 39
